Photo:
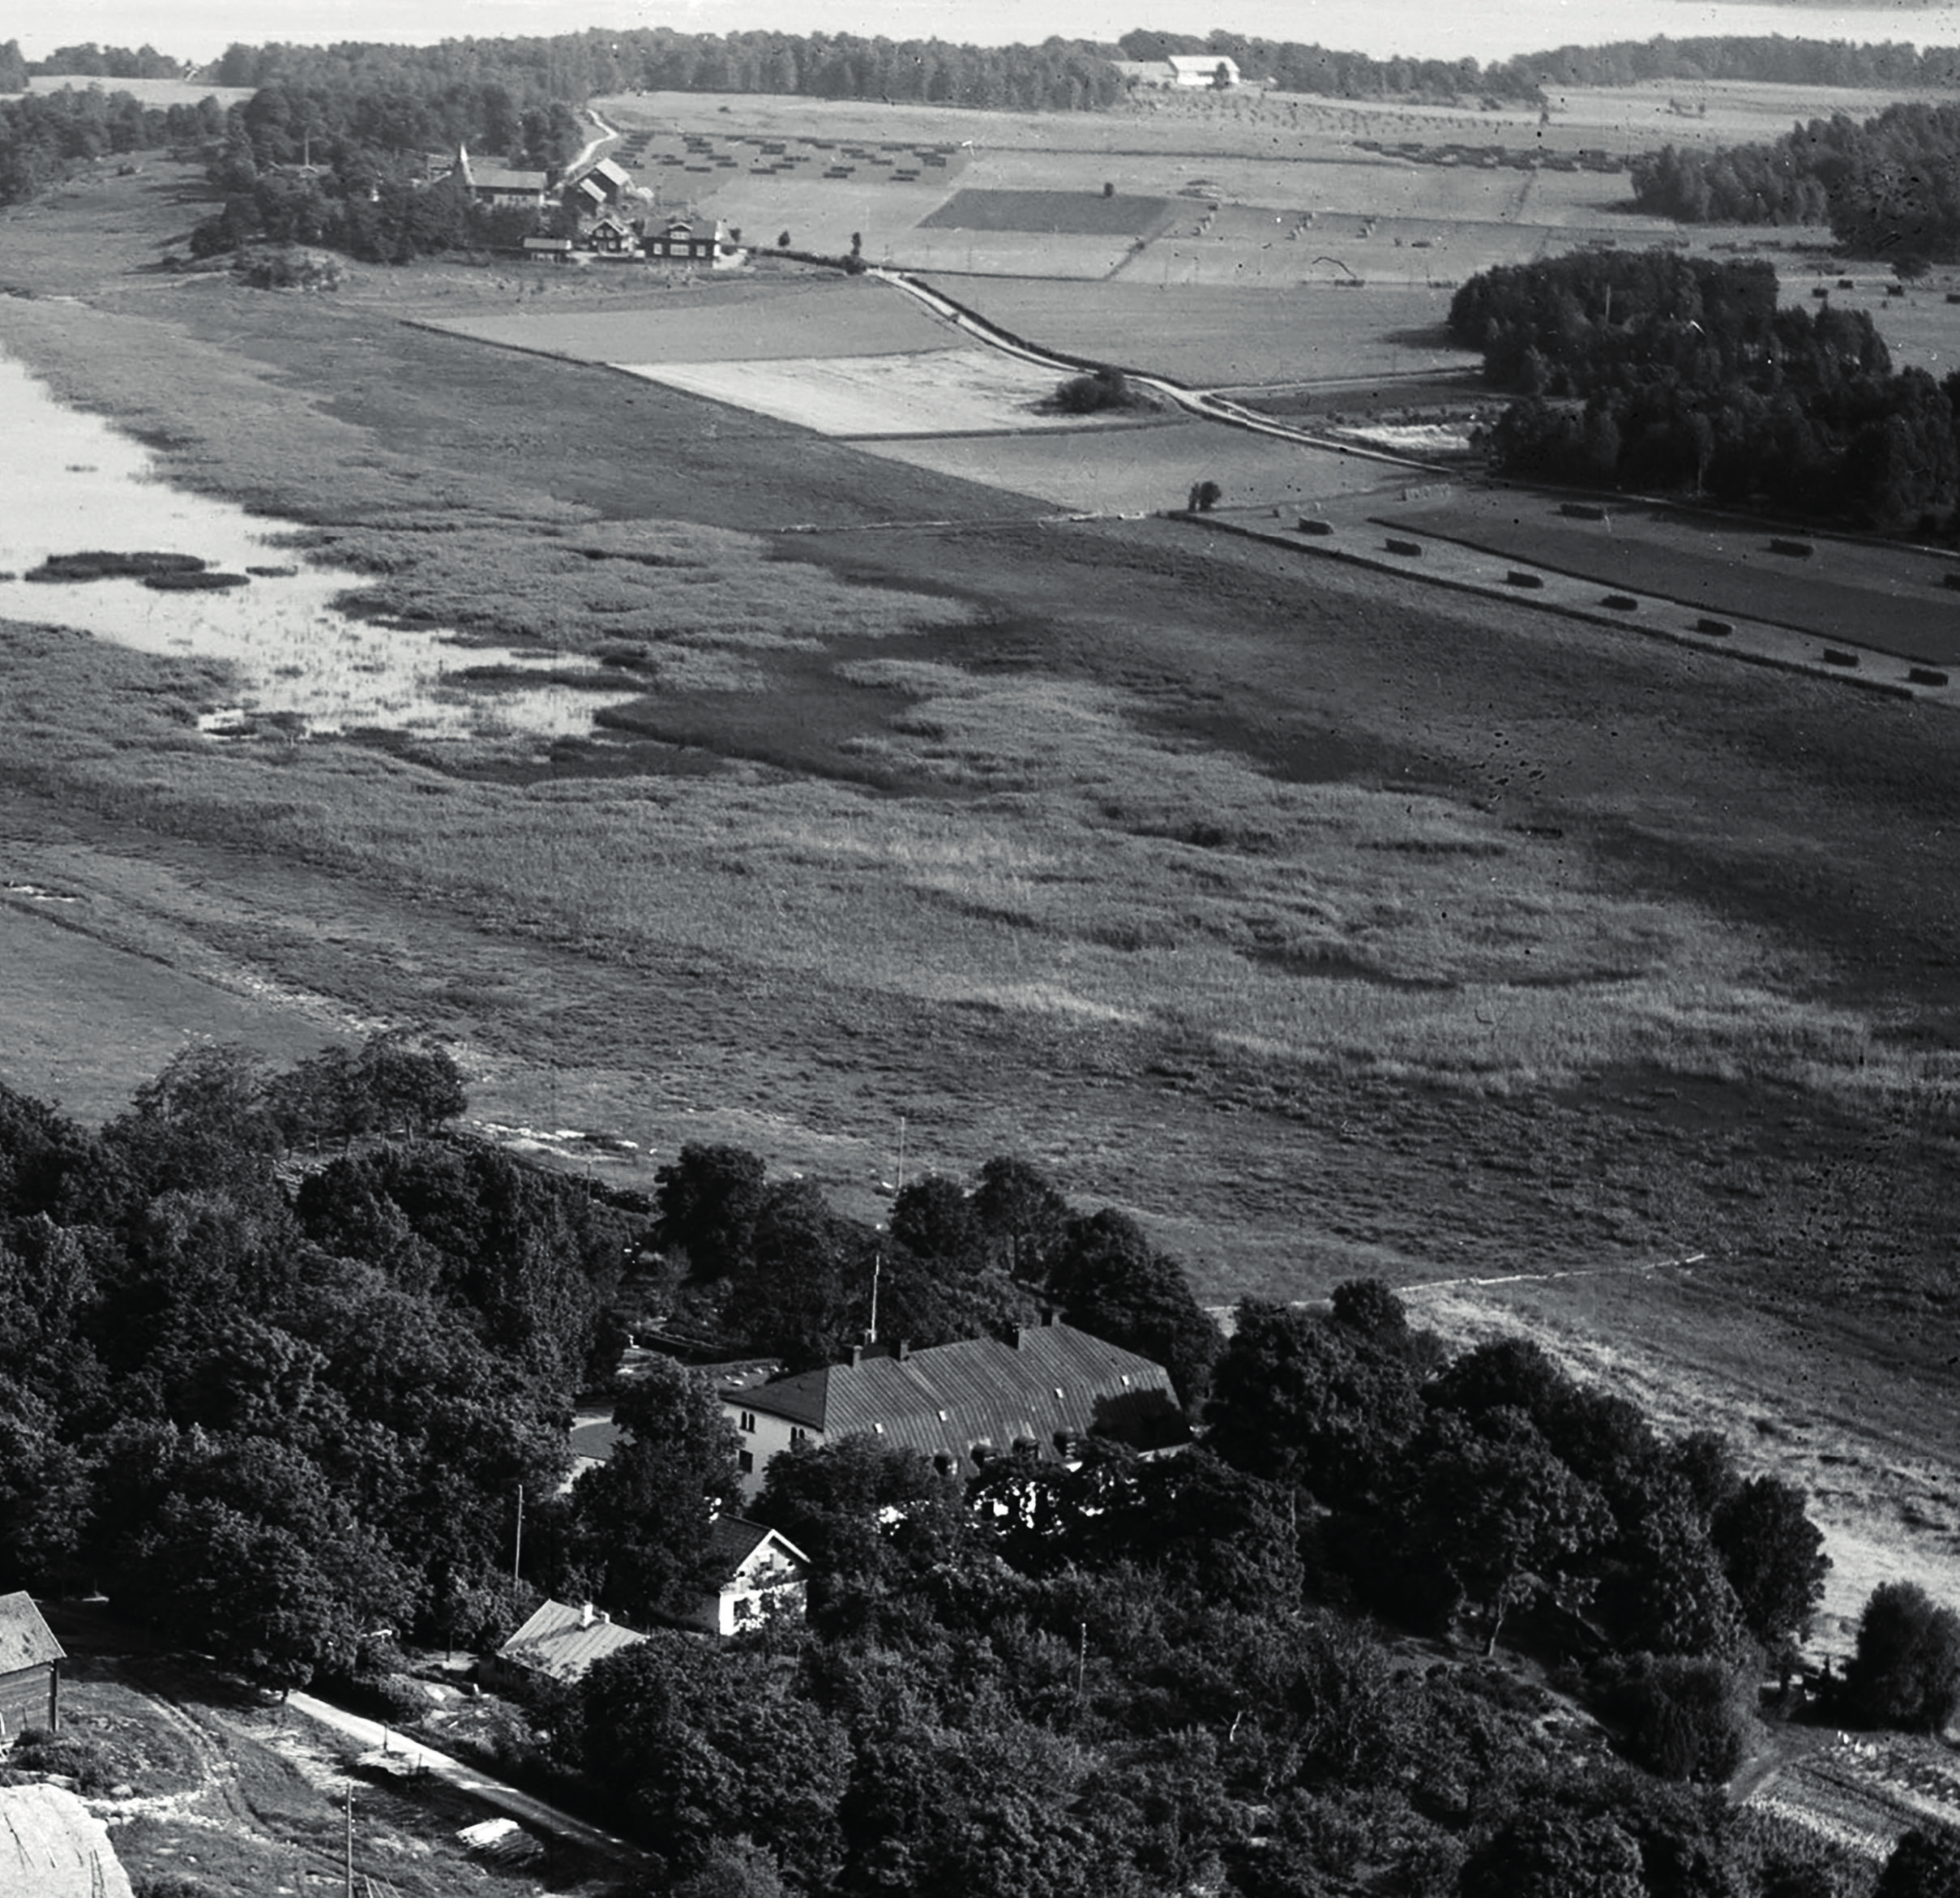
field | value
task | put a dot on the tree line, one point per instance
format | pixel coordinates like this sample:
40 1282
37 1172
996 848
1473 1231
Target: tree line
1886 187
1525 78
1057 76
1652 371
270 1407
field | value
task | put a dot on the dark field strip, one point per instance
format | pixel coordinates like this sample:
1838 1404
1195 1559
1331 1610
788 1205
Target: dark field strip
1889 600
1073 213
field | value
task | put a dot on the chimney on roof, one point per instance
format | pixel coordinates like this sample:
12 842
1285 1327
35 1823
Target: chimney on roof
857 1354
585 1615
902 1350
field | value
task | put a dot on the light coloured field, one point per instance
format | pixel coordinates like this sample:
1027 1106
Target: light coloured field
820 214
737 321
1211 335
1149 469
161 93
1004 254
1737 112
939 393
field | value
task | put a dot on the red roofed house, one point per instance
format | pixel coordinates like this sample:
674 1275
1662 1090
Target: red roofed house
761 1572
30 1667
962 1403
559 1643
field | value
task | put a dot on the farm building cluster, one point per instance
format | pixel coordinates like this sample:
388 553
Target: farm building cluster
594 212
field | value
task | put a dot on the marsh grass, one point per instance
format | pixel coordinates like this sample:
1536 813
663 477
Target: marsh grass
1043 869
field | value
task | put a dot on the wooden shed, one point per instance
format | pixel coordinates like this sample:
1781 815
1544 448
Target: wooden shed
30 1667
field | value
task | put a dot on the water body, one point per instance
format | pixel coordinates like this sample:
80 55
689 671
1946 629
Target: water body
86 486
1481 29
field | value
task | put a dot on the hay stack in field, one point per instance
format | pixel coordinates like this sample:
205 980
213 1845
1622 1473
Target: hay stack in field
52 1845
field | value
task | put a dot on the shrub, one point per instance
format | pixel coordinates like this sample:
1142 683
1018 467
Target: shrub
1094 394
1683 1718
1906 1671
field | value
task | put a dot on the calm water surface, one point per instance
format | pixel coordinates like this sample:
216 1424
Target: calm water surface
86 486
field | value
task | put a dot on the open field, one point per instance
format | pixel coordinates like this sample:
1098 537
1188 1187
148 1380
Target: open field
1149 470
1065 213
160 93
1325 923
1211 335
1891 600
722 322
938 392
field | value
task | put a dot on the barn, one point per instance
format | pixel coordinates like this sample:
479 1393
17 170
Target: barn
30 1667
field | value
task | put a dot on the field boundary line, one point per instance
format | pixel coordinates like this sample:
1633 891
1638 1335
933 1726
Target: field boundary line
1479 546
1495 591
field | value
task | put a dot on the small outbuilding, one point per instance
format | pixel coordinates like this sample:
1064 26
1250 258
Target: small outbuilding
559 1643
30 1667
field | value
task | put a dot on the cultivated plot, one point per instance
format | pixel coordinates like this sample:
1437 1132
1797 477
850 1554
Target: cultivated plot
939 392
1211 335
1144 470
1059 213
807 317
1885 598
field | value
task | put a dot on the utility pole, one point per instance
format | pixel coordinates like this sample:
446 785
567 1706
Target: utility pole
517 1548
350 1839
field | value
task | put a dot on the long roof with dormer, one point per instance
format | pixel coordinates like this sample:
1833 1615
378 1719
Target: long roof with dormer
1052 1380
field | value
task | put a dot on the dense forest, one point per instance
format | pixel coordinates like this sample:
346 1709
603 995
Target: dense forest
276 1354
1057 76
1297 68
1656 372
1888 187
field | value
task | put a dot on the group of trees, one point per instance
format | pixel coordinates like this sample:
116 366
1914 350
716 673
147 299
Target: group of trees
1886 187
1139 1676
45 137
273 1412
1057 76
1530 77
1654 371
769 1266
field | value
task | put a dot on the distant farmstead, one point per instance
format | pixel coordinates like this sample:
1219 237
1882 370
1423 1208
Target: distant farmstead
1192 71
961 1404
695 240
30 1667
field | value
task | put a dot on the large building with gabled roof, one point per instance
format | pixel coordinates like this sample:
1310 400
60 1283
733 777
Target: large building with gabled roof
1044 1390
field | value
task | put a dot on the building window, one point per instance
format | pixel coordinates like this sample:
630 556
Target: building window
745 1462
798 1434
748 1421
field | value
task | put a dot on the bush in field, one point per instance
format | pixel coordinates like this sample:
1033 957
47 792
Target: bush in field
1906 1671
1095 393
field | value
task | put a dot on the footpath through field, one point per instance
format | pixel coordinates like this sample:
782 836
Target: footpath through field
414 1758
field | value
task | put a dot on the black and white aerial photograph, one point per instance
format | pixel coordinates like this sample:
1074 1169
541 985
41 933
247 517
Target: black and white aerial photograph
1000 950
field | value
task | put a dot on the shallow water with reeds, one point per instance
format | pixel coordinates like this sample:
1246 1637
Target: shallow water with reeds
76 485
